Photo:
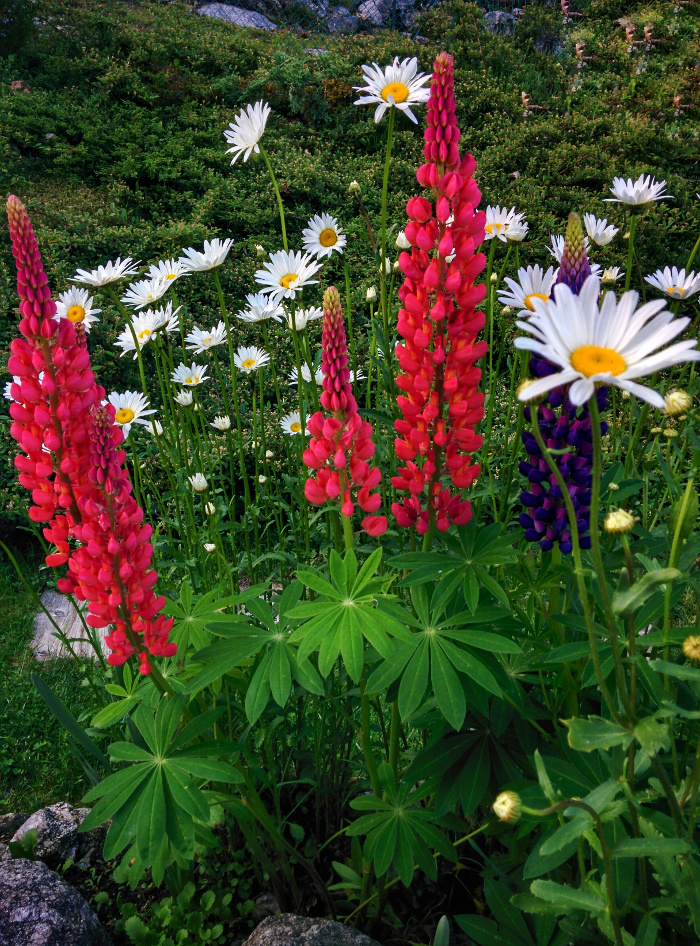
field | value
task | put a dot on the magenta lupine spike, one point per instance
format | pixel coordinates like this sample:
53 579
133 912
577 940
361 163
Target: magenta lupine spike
341 444
36 306
442 133
574 268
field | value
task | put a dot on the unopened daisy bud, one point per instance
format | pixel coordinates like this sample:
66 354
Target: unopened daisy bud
209 547
354 189
670 433
655 430
522 390
396 266
626 395
508 807
387 265
198 482
371 294
156 428
402 242
619 521
494 278
184 398
222 422
259 250
262 479
613 486
677 403
209 509
269 454
691 648
506 310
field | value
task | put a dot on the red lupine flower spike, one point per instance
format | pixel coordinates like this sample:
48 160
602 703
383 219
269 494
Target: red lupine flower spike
440 404
341 444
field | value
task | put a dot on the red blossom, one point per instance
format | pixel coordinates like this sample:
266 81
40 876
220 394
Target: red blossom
441 403
72 466
341 444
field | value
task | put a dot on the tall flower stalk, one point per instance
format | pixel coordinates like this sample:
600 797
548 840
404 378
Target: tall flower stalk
441 403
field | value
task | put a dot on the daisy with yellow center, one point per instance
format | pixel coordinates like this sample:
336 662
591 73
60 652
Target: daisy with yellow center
285 274
76 305
532 283
250 359
399 85
505 224
674 283
190 376
323 236
167 269
130 407
291 423
145 292
614 344
199 340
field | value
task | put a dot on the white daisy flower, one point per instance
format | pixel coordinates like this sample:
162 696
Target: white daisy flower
246 130
143 324
306 375
164 318
322 236
371 294
222 422
199 340
674 283
504 224
131 408
191 375
302 317
7 392
291 423
402 242
76 306
110 272
198 482
145 292
209 547
155 427
184 398
532 283
611 274
285 274
635 193
399 85
559 242
260 308
213 256
250 359
168 269
360 376
613 344
598 230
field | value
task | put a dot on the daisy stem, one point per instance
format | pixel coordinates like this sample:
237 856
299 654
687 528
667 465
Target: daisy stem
116 300
598 556
693 254
266 340
256 485
348 311
277 195
263 444
578 562
137 481
182 326
630 251
382 269
227 405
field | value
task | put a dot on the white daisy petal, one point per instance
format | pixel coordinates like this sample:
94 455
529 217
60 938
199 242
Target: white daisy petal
213 255
250 359
323 236
76 305
246 130
285 274
131 407
190 376
109 273
200 340
674 283
635 193
505 224
260 309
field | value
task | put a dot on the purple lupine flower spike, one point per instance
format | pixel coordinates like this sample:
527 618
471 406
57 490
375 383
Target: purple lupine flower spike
562 425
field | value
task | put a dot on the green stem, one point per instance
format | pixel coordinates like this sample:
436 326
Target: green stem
276 189
630 250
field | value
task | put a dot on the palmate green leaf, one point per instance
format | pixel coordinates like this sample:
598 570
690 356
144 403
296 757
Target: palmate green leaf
258 693
150 826
306 675
312 633
367 572
474 778
467 663
352 645
128 752
280 674
200 724
313 580
123 827
113 712
178 821
415 678
117 792
209 769
185 793
337 570
403 854
330 647
223 657
447 686
387 671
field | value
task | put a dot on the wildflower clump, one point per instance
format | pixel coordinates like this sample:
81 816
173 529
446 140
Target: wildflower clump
73 466
440 404
341 444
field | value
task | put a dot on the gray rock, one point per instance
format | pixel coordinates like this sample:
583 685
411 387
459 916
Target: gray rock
5 854
57 831
498 21
290 930
9 824
38 908
237 16
342 21
46 645
374 12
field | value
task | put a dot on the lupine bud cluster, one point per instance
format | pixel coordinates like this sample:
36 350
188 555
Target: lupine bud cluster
341 444
441 403
71 464
563 427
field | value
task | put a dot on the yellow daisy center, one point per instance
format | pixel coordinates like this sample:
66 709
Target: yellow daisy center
328 237
534 295
591 359
288 280
190 380
248 364
170 276
144 334
495 225
76 313
672 289
397 90
124 415
295 427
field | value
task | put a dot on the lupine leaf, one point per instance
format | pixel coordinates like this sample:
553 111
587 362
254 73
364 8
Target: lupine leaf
414 680
447 687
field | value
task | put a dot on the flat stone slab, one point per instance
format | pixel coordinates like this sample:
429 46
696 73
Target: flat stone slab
46 645
287 929
237 16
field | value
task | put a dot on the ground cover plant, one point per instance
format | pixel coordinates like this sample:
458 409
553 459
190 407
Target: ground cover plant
416 469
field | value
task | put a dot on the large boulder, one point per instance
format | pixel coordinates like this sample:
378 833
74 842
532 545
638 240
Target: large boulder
9 824
290 930
38 908
56 831
237 16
